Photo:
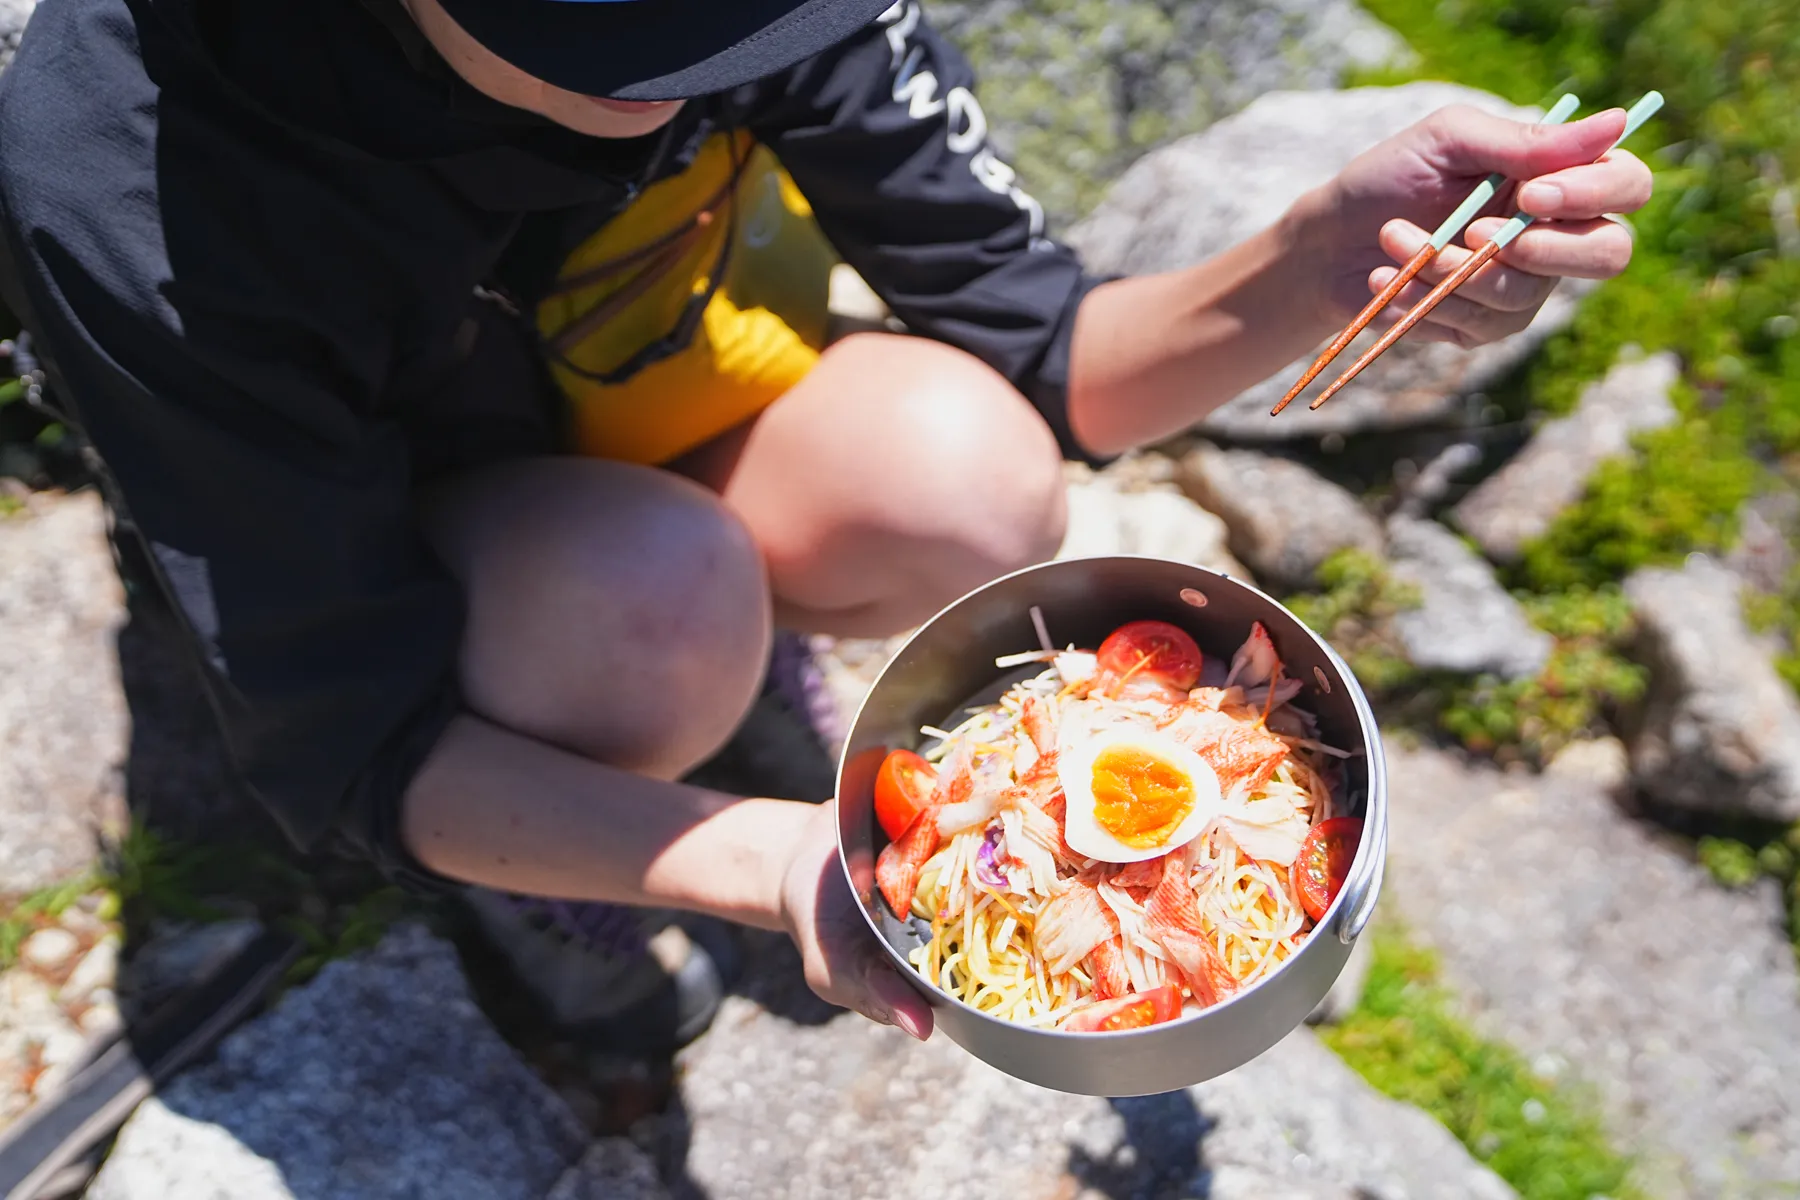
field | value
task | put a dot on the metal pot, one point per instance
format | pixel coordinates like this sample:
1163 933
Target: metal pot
950 661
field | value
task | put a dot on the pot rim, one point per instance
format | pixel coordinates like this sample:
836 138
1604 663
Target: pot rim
1350 911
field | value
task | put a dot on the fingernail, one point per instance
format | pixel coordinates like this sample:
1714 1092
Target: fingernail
905 1022
1540 196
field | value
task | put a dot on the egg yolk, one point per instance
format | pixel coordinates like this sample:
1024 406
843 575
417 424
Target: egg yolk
1139 798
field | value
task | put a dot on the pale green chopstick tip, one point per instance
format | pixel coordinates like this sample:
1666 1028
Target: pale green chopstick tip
1490 187
1635 116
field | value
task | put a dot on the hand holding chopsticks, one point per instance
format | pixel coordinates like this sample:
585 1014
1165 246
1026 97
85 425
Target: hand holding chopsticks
1635 117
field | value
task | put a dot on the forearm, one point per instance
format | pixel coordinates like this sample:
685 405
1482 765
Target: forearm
1153 354
494 808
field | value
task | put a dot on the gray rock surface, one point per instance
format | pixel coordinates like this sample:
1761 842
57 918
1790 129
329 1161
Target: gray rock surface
613 1169
13 15
64 731
1519 501
1465 621
1717 729
863 1111
1075 92
1197 196
1611 959
1283 518
1768 532
1157 520
380 1078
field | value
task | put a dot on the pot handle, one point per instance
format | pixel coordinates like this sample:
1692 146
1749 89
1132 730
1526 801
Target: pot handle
1363 888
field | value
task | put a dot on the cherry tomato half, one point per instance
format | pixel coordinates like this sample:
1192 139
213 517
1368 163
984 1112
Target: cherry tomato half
1168 654
1132 1011
1324 860
903 787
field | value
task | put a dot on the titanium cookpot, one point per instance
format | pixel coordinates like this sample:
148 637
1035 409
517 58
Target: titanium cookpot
949 664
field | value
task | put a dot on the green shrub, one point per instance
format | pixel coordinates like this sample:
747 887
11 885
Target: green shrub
1357 597
1679 494
1585 678
1407 1041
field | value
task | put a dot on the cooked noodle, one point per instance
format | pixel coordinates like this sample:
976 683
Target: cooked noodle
982 946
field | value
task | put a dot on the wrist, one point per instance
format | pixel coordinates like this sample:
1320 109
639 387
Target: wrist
1308 232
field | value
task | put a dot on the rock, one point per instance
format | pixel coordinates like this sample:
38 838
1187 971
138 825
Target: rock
36 1040
63 726
1717 730
1429 484
1195 197
1346 992
49 949
1283 519
613 1169
1768 530
1606 955
13 15
98 968
1075 92
1162 523
1466 621
1518 502
1602 763
162 1152
856 1100
380 1078
101 1018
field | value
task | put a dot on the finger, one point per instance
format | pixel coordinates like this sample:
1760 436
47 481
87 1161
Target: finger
1591 249
1472 323
908 1010
1498 284
1466 141
1620 182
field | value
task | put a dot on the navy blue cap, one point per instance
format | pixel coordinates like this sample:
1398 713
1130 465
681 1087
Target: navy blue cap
658 49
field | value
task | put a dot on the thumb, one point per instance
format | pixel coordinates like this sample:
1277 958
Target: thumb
1467 141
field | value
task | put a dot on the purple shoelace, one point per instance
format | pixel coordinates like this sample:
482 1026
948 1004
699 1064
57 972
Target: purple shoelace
610 929
796 681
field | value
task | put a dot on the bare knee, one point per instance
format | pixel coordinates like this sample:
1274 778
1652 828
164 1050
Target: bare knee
619 612
988 497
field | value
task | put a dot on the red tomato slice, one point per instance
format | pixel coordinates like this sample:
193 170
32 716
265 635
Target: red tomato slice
902 788
1165 652
1133 1011
1324 860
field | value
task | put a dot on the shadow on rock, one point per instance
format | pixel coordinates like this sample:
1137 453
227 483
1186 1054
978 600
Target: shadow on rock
1159 1157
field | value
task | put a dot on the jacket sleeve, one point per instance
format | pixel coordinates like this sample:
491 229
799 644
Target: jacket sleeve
238 429
884 137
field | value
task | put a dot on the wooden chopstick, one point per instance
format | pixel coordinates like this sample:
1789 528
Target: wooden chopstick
1640 112
1476 200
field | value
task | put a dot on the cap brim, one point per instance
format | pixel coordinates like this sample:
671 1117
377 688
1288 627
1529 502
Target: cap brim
658 49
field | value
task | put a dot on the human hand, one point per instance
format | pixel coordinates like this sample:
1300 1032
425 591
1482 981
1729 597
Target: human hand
843 964
1380 210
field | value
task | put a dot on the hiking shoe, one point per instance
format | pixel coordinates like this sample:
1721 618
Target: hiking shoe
637 980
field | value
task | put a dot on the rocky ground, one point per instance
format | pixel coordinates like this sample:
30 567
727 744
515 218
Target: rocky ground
1571 923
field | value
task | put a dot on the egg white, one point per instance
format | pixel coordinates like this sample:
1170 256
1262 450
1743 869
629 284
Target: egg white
1075 768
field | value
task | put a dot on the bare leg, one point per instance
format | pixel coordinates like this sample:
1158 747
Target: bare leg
622 613
898 475
615 611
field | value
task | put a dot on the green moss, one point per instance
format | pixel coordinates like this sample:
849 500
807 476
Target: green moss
1681 493
1406 1039
36 909
1587 676
1731 862
1357 598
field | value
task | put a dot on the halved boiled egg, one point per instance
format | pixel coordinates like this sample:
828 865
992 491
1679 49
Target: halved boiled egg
1135 794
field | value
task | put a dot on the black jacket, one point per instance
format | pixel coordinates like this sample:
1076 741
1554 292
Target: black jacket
251 238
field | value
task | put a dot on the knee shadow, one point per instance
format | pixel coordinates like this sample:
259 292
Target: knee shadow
1160 1157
